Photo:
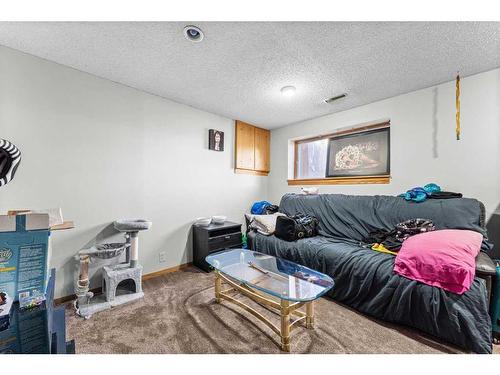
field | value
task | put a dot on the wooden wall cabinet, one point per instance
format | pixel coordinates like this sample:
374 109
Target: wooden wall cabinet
252 149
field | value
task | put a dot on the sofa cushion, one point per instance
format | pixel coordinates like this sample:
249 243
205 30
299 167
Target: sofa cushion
443 258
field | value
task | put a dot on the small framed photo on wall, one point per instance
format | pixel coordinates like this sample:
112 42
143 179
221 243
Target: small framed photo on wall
215 140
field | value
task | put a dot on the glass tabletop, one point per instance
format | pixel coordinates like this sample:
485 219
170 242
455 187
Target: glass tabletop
278 277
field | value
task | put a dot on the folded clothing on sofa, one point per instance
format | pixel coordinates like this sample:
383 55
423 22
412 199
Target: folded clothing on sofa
445 195
432 191
263 208
284 227
390 241
264 224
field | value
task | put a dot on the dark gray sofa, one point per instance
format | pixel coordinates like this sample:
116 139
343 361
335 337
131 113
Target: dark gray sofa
364 279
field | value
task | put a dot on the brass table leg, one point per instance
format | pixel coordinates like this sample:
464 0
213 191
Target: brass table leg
310 314
285 308
285 325
218 285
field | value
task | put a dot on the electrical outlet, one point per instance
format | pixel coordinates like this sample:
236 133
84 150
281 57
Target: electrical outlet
163 257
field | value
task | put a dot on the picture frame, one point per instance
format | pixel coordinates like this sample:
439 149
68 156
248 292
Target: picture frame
361 154
215 140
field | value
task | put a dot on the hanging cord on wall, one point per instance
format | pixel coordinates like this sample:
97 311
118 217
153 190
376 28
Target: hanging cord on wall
457 103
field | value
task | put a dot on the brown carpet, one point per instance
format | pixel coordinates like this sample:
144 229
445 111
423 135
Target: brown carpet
179 315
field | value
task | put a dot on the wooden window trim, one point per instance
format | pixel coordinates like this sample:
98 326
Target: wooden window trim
342 180
383 179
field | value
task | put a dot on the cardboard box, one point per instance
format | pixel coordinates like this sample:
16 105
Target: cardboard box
24 255
27 333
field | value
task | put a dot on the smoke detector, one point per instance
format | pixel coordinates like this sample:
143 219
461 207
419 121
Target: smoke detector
288 91
193 33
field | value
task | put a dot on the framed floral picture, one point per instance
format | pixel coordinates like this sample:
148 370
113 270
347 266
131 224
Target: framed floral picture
365 153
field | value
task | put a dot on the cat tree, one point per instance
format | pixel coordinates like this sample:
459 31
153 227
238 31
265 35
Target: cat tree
127 274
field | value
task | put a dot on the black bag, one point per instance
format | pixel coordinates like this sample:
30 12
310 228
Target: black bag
296 227
271 209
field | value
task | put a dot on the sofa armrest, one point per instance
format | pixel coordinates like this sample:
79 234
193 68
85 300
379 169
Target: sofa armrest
485 265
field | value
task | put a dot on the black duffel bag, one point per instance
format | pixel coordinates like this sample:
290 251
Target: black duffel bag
296 227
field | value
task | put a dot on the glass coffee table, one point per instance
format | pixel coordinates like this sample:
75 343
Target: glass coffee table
278 284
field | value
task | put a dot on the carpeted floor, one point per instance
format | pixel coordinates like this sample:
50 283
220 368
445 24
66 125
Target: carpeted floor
179 315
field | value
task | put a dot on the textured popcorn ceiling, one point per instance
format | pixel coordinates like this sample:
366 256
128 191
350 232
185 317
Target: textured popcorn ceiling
238 69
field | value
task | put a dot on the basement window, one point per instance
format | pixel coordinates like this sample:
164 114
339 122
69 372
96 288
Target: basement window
310 156
310 159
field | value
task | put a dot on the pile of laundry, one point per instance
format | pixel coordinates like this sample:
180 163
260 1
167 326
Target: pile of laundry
263 208
262 217
264 224
390 241
265 219
429 191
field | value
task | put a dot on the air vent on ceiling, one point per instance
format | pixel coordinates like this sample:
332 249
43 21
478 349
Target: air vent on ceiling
331 100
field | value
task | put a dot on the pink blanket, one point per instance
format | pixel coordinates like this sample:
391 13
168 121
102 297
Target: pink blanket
442 258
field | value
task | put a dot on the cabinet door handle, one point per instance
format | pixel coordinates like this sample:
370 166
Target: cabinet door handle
227 237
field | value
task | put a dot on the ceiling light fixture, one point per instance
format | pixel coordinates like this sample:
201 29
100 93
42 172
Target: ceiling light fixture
193 33
288 90
341 96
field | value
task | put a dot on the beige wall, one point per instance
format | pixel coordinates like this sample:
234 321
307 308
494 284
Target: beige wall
423 145
103 151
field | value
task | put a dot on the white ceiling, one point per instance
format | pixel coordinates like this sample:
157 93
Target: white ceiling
238 69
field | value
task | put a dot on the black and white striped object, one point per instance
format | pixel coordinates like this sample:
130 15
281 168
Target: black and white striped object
10 158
